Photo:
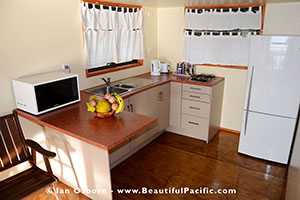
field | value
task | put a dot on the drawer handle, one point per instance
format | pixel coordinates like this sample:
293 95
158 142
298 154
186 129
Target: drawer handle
194 108
193 123
193 96
195 88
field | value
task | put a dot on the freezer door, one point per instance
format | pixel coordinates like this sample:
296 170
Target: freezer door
267 137
276 69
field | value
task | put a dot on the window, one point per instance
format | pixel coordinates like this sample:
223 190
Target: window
113 36
220 36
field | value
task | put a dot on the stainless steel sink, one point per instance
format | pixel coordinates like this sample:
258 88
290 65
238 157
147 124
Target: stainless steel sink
123 86
136 82
102 90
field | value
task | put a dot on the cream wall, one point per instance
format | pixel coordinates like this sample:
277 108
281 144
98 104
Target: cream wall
170 34
281 18
234 94
40 36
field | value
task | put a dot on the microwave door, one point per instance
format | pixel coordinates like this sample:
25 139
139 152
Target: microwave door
56 94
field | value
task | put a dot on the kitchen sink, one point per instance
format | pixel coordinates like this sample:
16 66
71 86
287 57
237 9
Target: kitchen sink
123 86
118 90
135 82
102 90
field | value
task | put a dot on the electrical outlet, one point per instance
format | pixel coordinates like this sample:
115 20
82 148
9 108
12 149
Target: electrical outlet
66 68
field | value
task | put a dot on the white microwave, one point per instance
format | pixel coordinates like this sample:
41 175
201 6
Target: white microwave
40 93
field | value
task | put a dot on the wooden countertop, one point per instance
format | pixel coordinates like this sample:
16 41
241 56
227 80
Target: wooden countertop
183 79
187 80
166 78
108 134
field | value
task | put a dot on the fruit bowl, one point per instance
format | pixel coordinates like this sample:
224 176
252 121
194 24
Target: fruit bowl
105 115
107 106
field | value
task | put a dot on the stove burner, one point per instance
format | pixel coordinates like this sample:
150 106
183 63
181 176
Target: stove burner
203 77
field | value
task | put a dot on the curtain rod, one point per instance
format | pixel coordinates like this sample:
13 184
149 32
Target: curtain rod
227 5
114 4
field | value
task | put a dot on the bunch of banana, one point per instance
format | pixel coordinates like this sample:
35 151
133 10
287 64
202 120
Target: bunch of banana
106 106
120 101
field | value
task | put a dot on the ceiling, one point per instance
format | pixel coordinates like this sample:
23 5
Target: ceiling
175 3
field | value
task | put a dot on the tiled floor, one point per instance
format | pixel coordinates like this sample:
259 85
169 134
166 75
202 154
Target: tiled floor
177 161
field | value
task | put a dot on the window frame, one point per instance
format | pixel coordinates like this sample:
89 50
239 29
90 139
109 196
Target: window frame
100 71
120 66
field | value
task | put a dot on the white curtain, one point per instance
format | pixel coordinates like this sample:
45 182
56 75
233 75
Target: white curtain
221 48
213 19
112 35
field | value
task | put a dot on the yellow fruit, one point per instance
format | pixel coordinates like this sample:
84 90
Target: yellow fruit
120 108
90 107
93 103
121 103
94 97
103 106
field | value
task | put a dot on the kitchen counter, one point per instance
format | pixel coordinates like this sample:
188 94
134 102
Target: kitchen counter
108 134
166 78
187 80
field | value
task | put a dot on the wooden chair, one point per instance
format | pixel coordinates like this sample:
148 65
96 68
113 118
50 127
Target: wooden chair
14 149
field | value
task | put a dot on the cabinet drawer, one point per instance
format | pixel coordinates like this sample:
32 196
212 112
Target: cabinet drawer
195 108
196 96
196 89
195 126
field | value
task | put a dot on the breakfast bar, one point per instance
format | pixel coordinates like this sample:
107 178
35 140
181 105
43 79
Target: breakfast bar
83 143
108 134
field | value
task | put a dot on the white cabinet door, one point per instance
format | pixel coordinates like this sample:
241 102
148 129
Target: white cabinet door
267 137
175 106
127 105
163 103
153 102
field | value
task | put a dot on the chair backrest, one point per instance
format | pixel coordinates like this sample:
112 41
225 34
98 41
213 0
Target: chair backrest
13 149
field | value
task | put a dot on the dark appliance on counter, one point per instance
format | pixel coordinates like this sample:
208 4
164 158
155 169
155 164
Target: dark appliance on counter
203 77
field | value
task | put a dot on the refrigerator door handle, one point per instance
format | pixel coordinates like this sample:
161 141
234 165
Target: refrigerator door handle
248 100
246 122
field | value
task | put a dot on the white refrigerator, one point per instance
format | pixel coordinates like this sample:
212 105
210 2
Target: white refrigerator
272 99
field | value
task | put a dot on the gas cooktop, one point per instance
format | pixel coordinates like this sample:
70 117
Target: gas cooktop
203 77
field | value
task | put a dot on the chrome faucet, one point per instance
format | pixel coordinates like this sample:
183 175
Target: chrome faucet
108 84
